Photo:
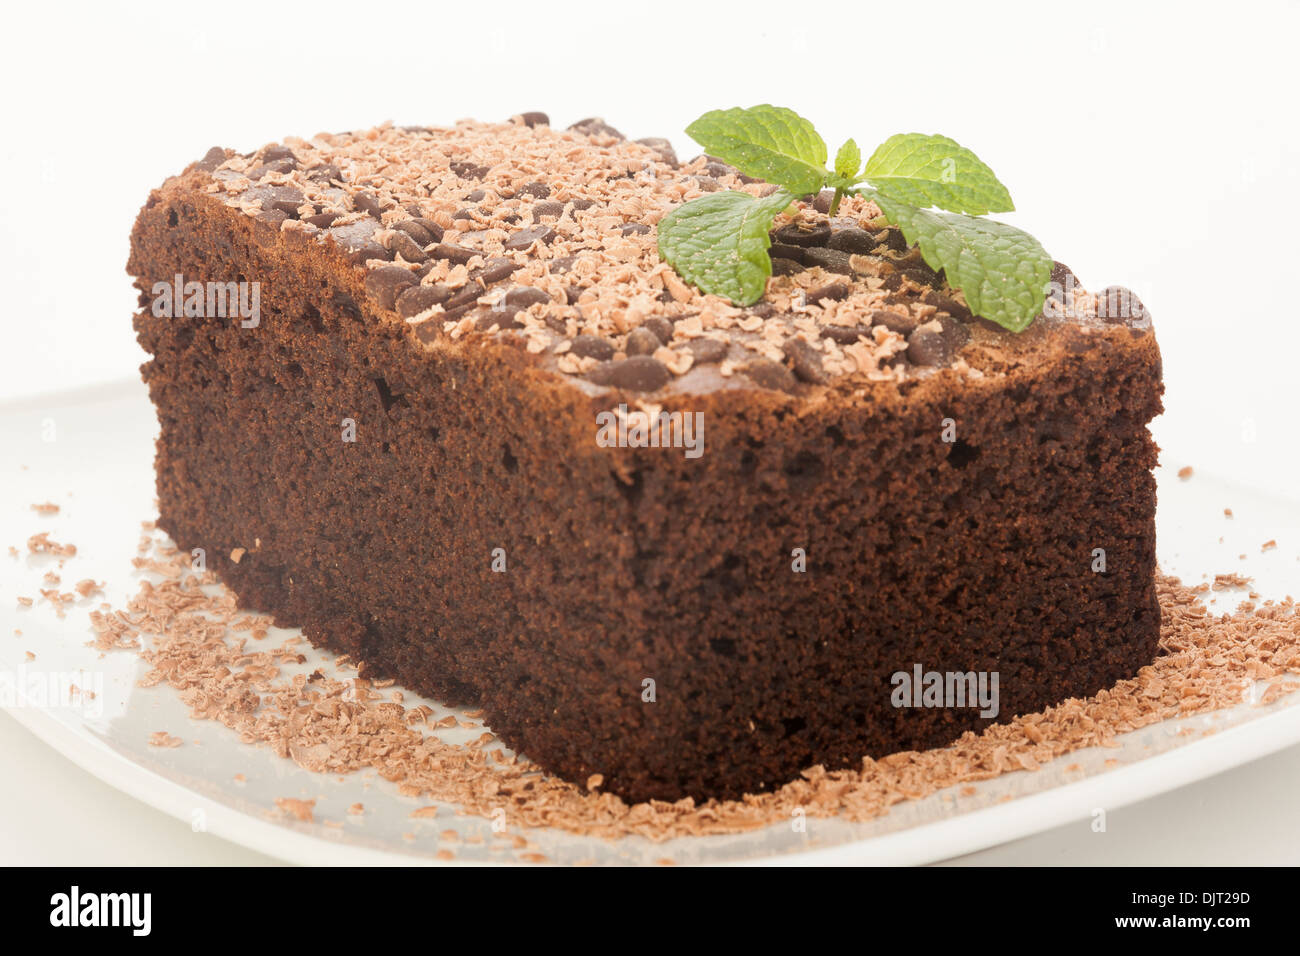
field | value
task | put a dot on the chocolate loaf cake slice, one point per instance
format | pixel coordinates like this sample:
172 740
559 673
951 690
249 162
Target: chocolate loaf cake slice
431 395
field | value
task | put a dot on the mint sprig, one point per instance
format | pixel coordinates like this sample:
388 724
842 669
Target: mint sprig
766 142
1002 271
848 161
719 242
935 171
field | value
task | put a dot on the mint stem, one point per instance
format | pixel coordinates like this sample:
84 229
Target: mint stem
835 200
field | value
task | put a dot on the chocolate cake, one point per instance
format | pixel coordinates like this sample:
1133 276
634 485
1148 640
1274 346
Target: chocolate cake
430 395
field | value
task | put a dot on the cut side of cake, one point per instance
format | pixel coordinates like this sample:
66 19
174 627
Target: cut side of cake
431 396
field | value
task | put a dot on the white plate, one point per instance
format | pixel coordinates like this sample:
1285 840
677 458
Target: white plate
91 452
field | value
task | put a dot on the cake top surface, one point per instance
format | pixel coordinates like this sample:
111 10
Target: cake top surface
519 229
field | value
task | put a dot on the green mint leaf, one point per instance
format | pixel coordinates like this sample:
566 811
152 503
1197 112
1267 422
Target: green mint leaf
1002 271
719 243
848 161
935 171
766 142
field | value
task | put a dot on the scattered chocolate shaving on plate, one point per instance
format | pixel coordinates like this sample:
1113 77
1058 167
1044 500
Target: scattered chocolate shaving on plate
300 809
183 627
41 544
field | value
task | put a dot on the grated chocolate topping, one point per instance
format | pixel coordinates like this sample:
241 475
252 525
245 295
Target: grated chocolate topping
522 230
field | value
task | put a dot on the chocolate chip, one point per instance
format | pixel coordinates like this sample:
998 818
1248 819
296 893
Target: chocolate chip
951 306
635 229
525 295
726 169
1062 279
592 346
832 260
524 238
786 267
822 202
707 183
770 374
451 311
641 341
661 146
476 195
260 172
922 275
780 250
707 350
367 203
406 247
927 346
417 232
548 207
957 333
464 214
418 298
500 318
930 346
581 203
287 199
661 327
325 173
1116 304
892 239
835 291
904 323
429 226
720 170
805 361
535 118
277 152
563 264
273 216
535 189
803 234
1063 275
764 310
572 294
845 335
467 296
496 269
386 283
457 254
855 241
637 374
468 170
324 220
212 159
595 126
358 253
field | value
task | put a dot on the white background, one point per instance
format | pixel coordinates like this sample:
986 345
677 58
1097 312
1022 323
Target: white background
1148 145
